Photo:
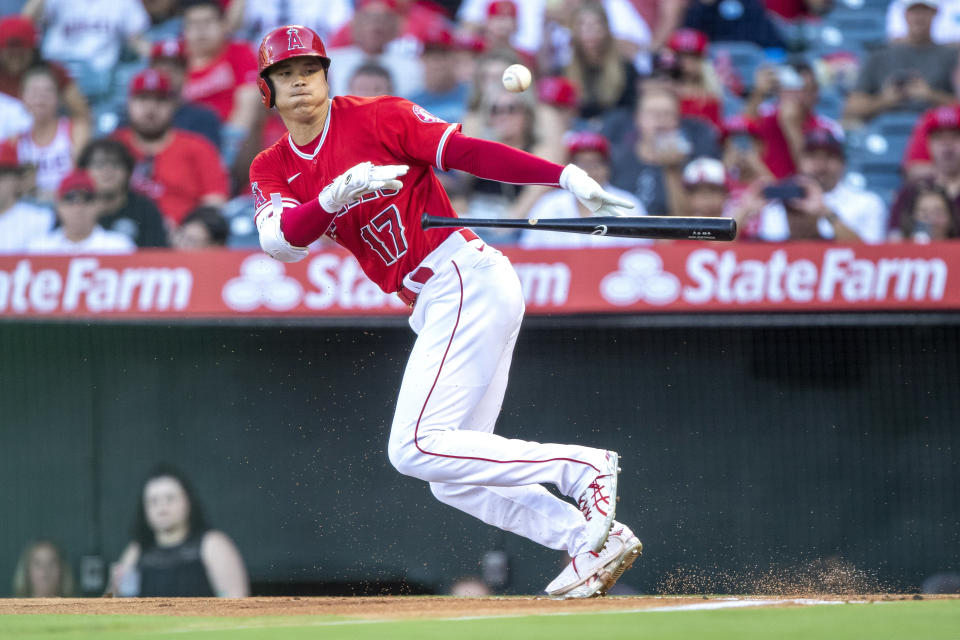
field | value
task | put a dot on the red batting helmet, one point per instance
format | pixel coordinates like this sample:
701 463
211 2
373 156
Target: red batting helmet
290 41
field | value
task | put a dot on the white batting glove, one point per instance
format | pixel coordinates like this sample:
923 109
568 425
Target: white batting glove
357 182
591 194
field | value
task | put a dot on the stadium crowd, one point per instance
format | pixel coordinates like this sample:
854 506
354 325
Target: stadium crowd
133 123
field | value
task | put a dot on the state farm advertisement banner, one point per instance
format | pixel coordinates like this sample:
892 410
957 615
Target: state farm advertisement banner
678 277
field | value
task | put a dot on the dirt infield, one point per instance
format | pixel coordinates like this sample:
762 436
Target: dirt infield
406 606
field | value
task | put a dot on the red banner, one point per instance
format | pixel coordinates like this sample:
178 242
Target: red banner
668 277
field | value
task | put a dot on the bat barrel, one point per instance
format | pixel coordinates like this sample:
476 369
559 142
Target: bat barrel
655 227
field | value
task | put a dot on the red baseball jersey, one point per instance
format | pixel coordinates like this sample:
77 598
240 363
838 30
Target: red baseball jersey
383 229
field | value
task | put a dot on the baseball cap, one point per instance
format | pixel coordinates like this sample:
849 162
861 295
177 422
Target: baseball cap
688 41
502 8
822 139
439 37
76 180
942 119
164 49
150 81
557 91
705 171
17 31
577 141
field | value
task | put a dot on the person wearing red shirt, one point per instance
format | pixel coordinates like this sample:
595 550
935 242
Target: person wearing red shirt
697 85
361 171
781 127
177 169
220 74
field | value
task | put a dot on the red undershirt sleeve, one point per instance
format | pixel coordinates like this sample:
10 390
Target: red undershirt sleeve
304 223
496 161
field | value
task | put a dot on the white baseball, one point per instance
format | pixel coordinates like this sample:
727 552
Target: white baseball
517 78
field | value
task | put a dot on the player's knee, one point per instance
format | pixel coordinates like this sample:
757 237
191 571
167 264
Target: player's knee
402 455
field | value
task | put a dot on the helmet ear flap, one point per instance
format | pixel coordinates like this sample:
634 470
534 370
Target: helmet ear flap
266 91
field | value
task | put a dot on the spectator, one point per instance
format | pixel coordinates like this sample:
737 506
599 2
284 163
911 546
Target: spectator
944 30
18 52
831 207
169 57
741 20
165 20
706 190
375 25
663 17
590 152
695 79
92 34
510 119
914 74
220 74
253 19
499 28
741 154
177 169
929 214
782 126
443 94
110 165
54 140
370 80
203 228
42 571
77 211
942 127
603 79
20 222
174 552
648 161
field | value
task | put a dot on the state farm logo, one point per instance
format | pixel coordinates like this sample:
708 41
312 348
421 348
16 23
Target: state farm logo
262 282
641 277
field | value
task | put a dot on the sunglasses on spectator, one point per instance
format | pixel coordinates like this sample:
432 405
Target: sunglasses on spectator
77 197
506 108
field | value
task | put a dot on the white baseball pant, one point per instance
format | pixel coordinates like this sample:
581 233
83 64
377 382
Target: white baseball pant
467 318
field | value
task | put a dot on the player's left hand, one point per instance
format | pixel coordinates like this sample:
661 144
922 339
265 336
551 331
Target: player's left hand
358 181
591 195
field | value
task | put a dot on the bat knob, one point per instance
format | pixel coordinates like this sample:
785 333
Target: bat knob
425 220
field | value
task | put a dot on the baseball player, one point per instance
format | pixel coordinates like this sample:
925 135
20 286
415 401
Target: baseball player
360 170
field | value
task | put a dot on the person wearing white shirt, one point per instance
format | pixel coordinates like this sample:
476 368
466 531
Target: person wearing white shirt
79 232
833 208
92 32
14 117
20 222
591 152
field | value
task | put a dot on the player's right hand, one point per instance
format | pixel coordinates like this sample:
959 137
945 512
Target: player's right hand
357 182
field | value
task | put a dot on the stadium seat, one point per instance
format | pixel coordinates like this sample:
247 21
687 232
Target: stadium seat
863 28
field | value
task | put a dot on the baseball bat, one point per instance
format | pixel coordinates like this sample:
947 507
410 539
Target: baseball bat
655 227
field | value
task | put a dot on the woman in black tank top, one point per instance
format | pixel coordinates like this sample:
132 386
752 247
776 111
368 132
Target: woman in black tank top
174 553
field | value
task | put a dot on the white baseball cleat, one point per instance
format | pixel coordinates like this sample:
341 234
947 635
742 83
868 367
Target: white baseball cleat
592 574
598 502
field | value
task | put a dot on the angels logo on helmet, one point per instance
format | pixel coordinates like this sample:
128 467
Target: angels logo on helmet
293 39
